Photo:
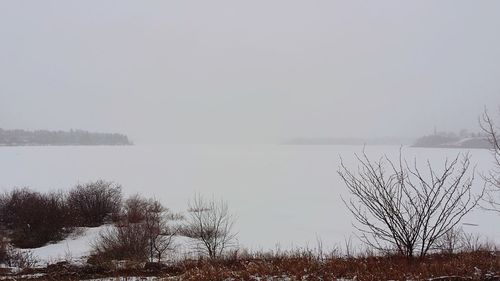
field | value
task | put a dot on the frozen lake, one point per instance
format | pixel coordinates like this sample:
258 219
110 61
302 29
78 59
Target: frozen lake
283 195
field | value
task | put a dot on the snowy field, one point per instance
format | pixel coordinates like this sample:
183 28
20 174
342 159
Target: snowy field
284 196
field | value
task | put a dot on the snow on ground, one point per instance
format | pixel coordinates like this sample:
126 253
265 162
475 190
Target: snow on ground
74 248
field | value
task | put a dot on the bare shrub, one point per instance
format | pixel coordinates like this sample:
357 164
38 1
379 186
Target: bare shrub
210 225
458 241
159 230
32 219
397 206
134 209
93 202
473 242
492 198
451 241
143 233
122 243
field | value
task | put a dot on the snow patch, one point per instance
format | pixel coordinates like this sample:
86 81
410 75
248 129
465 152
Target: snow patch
74 248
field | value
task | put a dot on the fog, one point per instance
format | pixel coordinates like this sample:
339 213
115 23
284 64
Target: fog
248 71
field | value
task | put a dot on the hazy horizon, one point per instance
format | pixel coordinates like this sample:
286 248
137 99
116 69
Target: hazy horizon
248 72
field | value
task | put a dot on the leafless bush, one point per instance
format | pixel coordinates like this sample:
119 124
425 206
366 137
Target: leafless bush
210 225
458 241
143 233
492 198
160 231
397 206
473 242
451 241
32 219
134 209
93 202
128 242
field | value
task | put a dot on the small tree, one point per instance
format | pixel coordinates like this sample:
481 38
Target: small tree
396 205
492 198
210 225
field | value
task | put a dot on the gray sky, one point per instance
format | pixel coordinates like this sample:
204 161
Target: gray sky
248 71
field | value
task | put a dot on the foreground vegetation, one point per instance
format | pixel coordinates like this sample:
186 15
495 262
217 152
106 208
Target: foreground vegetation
476 265
139 229
31 219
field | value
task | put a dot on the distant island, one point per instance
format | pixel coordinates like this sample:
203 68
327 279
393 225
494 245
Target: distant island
350 141
72 137
452 140
436 140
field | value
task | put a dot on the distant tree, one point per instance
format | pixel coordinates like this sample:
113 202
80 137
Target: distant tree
210 225
399 207
492 199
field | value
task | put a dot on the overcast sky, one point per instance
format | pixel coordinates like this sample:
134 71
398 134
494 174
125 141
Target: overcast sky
257 71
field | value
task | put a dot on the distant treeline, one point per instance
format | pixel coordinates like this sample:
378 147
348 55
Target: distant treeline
349 141
72 137
453 140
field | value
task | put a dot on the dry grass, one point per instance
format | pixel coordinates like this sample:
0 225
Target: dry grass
475 265
479 265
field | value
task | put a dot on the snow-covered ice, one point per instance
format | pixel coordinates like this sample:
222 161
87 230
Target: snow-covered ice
284 196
